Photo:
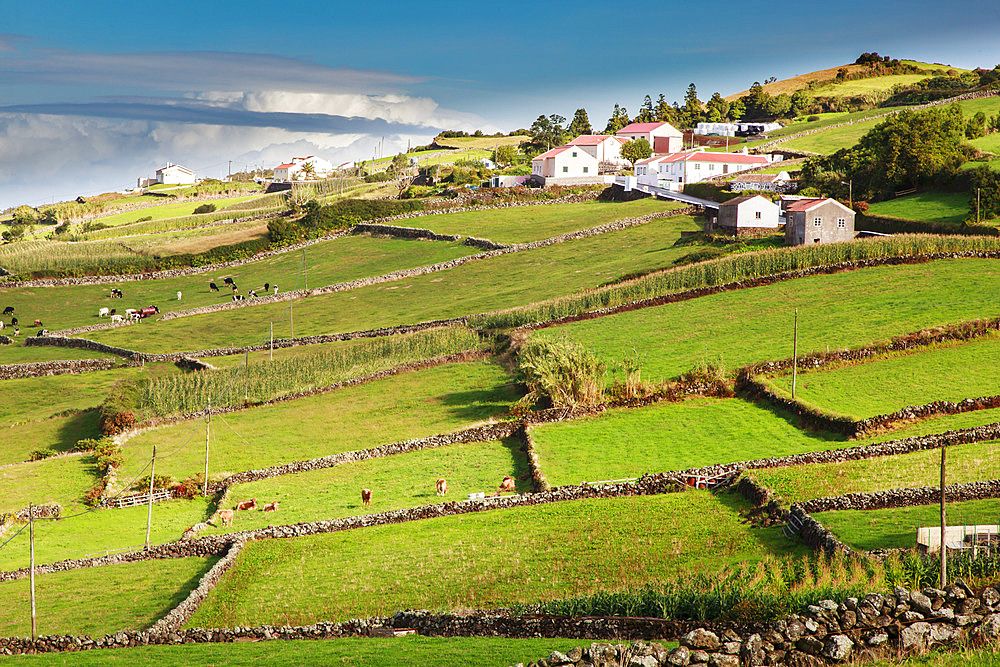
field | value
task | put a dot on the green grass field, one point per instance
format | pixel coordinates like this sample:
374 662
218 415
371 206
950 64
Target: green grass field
403 480
897 527
59 433
326 263
933 206
531 223
196 241
863 86
352 651
835 311
500 282
168 210
949 373
965 657
102 600
668 436
18 353
410 405
486 560
966 463
61 480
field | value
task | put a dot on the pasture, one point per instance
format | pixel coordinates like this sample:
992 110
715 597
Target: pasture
931 206
62 480
949 373
897 527
860 87
836 311
102 600
410 405
488 559
168 210
474 287
397 482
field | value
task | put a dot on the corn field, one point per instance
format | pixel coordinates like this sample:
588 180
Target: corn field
267 201
55 258
732 269
265 380
179 222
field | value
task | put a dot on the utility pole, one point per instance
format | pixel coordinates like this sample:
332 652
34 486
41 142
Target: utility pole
305 273
795 350
246 377
944 549
272 341
977 206
208 430
291 316
31 542
230 170
149 513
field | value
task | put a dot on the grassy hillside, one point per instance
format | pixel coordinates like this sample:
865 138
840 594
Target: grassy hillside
933 206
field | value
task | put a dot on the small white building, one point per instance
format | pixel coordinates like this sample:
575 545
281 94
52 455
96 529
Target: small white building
292 171
604 147
174 174
735 129
675 170
748 215
779 182
662 137
565 162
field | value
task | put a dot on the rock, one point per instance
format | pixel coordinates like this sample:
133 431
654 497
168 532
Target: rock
809 645
914 637
848 619
658 651
921 603
723 660
838 647
912 616
679 657
963 620
945 612
752 651
793 630
877 639
557 658
990 597
643 661
828 605
702 639
901 594
731 648
699 657
944 632
990 628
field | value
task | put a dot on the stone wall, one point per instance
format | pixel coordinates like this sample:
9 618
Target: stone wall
528 446
925 495
182 613
43 368
379 229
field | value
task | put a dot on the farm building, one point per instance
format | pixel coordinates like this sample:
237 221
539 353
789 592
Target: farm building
293 171
565 162
602 146
736 129
779 182
507 181
817 221
748 215
174 174
662 137
673 171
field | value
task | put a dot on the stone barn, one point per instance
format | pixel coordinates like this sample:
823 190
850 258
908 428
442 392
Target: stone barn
809 221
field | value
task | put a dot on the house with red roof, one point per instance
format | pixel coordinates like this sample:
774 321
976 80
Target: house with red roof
293 170
675 170
816 220
604 147
566 162
662 137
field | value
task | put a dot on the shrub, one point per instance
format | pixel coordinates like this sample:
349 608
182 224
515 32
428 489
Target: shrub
812 119
92 496
159 482
861 207
380 177
562 371
40 454
88 444
142 219
118 409
189 488
204 208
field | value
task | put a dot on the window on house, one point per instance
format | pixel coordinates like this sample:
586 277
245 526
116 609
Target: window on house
817 222
757 215
697 166
585 169
711 167
842 223
565 169
574 153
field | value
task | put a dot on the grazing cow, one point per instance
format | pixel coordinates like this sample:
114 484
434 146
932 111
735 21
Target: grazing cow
1 324
247 505
441 487
17 332
228 281
43 332
213 287
113 311
366 497
267 287
117 318
178 296
38 323
253 294
116 293
507 484
8 310
271 507
104 312
235 288
226 516
13 321
276 290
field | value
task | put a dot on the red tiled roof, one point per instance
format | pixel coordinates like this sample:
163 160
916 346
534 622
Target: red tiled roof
705 156
803 204
286 166
756 178
636 128
550 153
589 139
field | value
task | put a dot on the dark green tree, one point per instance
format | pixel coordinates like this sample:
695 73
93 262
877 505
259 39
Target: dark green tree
580 124
637 149
987 183
716 109
691 111
547 131
646 113
618 120
664 112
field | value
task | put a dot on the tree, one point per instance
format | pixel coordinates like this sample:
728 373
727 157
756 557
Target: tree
504 155
664 112
987 183
717 109
397 165
976 126
580 124
646 113
637 149
309 169
618 120
547 131
692 107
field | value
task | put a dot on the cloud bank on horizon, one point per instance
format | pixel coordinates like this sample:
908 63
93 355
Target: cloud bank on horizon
201 109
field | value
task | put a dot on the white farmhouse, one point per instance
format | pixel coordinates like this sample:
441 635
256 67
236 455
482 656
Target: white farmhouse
174 174
748 215
662 137
292 171
563 162
779 182
604 147
673 171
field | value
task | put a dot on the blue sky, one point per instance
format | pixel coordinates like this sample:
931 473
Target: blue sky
93 95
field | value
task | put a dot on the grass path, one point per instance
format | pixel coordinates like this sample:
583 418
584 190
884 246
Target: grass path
102 600
490 559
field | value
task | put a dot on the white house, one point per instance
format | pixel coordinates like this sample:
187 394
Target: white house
292 171
565 162
779 182
174 174
749 214
673 171
604 147
662 137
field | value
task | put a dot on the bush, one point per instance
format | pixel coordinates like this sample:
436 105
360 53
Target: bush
159 482
94 494
189 488
40 454
204 208
143 219
562 371
118 409
812 119
88 444
380 177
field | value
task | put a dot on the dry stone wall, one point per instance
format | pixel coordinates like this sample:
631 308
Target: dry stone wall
44 368
402 232
182 613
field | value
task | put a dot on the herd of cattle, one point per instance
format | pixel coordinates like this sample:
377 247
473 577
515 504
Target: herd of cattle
440 488
9 310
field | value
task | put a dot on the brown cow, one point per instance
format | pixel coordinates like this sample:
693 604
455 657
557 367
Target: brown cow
226 516
442 487
366 497
507 484
247 505
271 507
